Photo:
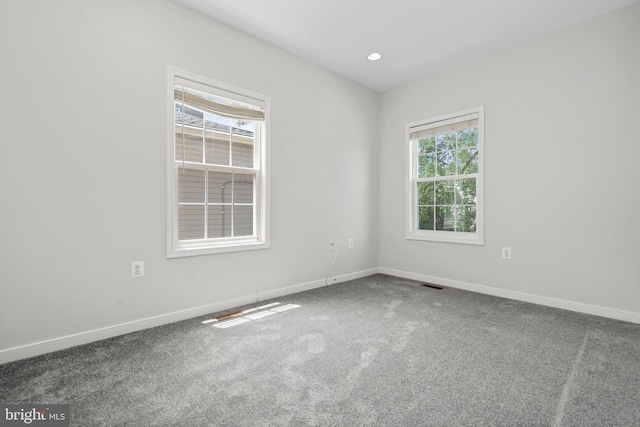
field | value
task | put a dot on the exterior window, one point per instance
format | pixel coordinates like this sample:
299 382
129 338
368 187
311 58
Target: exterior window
217 161
445 185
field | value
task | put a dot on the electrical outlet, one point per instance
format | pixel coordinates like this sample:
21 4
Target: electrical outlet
332 246
506 253
350 243
137 269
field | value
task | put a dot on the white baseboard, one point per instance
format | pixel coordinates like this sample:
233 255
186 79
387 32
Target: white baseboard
60 343
86 337
315 284
612 313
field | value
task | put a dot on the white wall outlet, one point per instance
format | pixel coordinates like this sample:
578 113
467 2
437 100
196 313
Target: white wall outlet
332 246
506 253
350 243
137 269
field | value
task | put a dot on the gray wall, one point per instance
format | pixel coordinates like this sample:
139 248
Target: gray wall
83 179
562 146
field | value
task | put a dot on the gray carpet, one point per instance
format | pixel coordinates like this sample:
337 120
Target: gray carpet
378 351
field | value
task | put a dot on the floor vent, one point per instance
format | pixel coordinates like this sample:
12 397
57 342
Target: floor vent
429 285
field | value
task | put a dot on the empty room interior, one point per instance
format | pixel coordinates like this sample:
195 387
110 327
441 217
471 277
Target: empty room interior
223 213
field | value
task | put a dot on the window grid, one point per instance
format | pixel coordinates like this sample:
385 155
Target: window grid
218 194
445 187
227 208
441 149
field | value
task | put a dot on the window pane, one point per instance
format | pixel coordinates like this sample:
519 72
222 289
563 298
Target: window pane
190 185
445 191
427 145
243 188
242 154
219 221
426 165
243 143
220 187
191 116
445 219
468 161
188 128
446 163
466 219
426 193
446 142
466 189
242 220
190 222
189 142
426 218
217 148
468 138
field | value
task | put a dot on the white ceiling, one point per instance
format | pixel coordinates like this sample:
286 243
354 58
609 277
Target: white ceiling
416 37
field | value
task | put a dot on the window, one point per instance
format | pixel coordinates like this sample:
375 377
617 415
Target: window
445 185
217 167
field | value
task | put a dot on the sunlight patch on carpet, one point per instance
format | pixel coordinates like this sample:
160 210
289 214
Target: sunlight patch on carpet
244 316
285 307
260 314
234 322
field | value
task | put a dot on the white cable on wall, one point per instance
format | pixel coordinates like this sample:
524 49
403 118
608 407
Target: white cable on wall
335 255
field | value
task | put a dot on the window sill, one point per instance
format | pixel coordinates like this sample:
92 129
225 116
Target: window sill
447 237
187 250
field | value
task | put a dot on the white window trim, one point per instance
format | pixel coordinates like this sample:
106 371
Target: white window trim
412 231
177 249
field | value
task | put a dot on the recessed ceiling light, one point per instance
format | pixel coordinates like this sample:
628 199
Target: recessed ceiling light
374 56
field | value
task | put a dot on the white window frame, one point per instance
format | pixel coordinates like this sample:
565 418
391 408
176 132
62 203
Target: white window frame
412 231
260 239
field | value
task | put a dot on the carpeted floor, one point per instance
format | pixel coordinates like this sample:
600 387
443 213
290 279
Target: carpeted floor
378 351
